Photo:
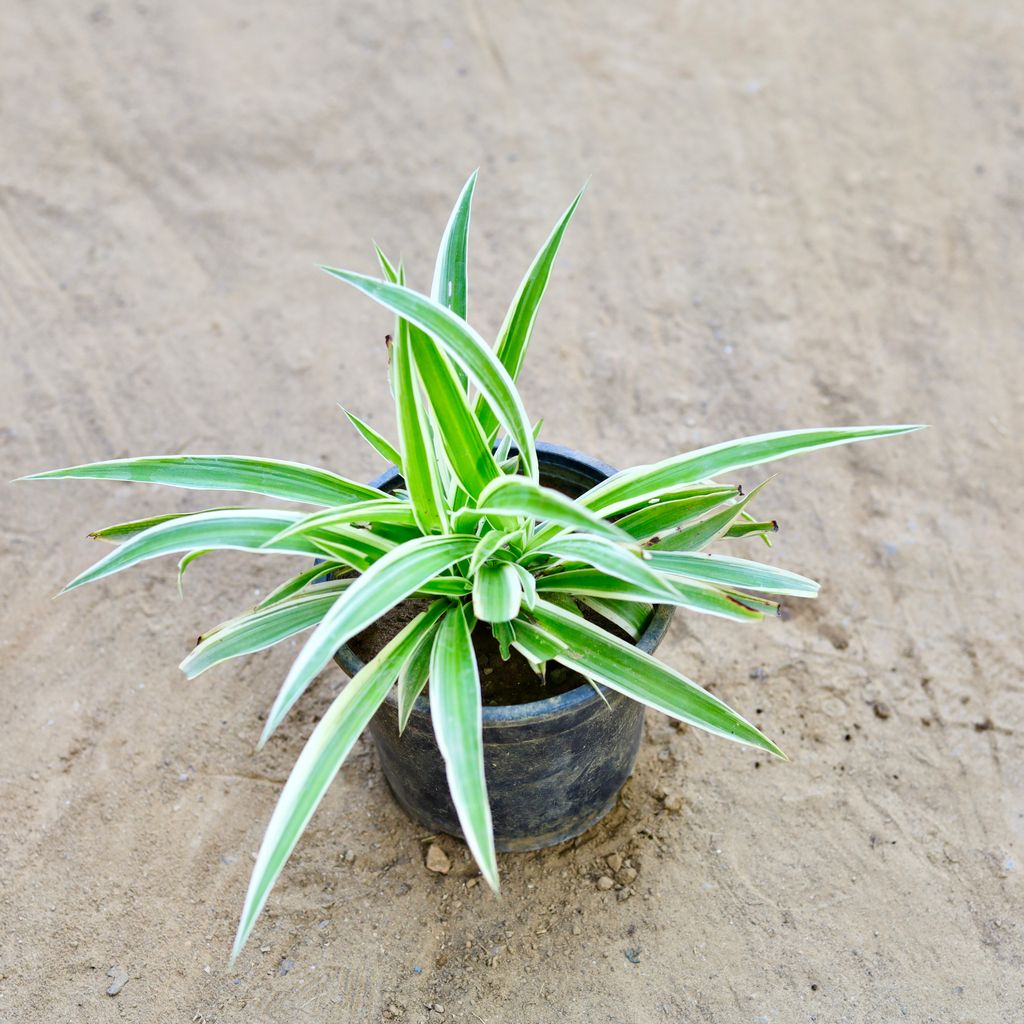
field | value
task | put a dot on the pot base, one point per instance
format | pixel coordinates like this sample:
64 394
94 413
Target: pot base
523 844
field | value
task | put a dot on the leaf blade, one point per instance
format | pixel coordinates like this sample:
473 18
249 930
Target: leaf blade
517 329
456 711
233 529
706 463
622 667
465 346
388 581
290 481
322 756
497 593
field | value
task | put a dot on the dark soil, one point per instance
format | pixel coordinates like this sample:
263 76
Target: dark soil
501 682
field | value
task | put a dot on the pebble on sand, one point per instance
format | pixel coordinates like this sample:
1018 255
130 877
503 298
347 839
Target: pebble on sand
120 979
437 860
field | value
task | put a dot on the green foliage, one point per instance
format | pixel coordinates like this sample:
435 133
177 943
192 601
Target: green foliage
474 530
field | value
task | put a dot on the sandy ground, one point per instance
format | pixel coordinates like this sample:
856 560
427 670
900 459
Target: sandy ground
800 214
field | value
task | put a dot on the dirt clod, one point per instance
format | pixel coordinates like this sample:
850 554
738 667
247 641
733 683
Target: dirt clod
437 860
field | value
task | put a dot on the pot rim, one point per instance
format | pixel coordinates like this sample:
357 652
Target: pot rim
511 714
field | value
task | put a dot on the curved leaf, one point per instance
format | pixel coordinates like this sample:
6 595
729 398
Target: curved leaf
291 481
262 628
449 287
496 593
465 346
515 333
622 667
320 760
523 497
233 529
699 597
626 488
456 711
395 577
736 572
608 557
380 444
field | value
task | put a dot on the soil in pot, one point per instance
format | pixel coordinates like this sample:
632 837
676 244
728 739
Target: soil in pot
501 682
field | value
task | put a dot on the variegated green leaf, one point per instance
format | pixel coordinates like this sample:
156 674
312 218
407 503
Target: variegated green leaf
455 710
496 592
291 481
735 572
630 616
234 529
661 516
420 467
625 488
695 536
450 287
515 333
624 668
700 597
263 627
465 346
380 444
519 496
608 557
388 581
320 760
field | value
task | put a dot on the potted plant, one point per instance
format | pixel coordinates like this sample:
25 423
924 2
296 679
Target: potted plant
514 591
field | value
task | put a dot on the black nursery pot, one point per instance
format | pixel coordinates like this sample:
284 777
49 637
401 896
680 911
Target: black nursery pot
554 767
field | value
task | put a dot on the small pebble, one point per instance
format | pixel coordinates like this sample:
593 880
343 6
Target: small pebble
577 930
349 857
673 802
437 860
614 861
438 1007
604 883
882 710
119 978
286 965
627 875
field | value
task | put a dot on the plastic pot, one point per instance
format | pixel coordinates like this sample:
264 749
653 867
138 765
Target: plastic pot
554 767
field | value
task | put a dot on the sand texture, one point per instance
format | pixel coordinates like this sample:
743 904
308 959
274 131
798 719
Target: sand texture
800 214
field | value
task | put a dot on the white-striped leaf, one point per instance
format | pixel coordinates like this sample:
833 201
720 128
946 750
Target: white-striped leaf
496 592
700 597
413 677
609 557
263 627
465 346
380 444
320 760
626 488
736 572
624 668
456 711
392 579
291 481
523 497
630 616
660 516
234 529
515 333
450 287
697 535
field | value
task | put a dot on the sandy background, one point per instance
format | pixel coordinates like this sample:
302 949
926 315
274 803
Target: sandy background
800 214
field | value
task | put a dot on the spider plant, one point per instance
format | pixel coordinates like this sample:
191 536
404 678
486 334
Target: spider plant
475 532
